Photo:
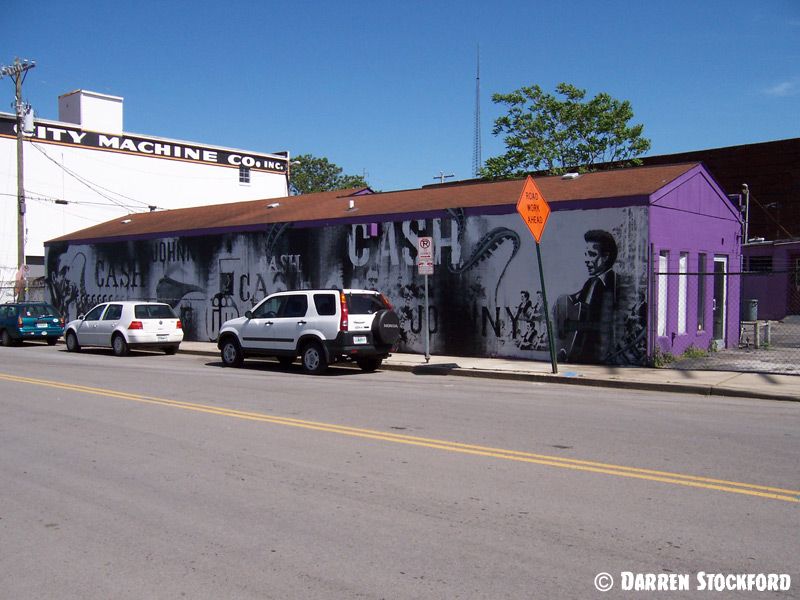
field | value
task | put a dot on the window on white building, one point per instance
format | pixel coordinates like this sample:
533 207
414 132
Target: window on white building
244 174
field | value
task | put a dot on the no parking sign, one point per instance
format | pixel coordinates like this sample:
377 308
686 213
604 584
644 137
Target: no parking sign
425 255
425 267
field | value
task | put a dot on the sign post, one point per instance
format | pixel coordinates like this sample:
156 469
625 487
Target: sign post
425 267
534 210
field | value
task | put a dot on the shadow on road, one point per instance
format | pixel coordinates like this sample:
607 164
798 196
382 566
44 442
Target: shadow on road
271 366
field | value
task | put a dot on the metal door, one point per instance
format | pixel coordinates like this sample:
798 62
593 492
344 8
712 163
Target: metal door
290 323
720 299
276 323
87 329
106 326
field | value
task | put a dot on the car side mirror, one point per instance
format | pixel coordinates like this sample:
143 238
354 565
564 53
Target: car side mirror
81 317
248 314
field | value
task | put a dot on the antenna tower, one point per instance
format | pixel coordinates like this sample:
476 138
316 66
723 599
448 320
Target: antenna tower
477 162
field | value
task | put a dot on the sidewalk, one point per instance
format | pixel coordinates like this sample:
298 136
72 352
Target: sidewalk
707 383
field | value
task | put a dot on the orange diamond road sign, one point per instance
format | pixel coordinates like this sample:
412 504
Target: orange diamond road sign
533 208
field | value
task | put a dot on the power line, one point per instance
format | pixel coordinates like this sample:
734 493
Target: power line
441 176
95 187
38 197
768 214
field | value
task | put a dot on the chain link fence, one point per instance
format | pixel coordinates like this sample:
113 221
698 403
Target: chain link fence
33 291
709 332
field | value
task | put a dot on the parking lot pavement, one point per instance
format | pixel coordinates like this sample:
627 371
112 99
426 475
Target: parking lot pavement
708 383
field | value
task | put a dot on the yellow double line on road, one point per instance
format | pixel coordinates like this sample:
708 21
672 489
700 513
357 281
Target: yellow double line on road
722 485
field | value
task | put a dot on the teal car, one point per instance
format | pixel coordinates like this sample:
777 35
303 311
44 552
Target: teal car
20 321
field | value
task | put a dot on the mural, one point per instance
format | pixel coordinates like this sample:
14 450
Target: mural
484 297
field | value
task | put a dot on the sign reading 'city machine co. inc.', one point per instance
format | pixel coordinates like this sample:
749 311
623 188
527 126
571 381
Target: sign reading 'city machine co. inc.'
58 133
533 208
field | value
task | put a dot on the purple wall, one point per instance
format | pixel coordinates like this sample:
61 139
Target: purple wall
692 215
775 290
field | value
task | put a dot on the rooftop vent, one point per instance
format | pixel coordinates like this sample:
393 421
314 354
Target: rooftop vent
570 175
274 205
91 110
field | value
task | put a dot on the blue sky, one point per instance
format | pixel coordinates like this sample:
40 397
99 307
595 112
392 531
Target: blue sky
387 89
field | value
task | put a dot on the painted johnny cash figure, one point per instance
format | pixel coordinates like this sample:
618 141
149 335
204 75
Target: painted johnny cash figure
585 319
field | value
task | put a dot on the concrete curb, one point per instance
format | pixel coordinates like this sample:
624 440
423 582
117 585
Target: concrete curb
677 388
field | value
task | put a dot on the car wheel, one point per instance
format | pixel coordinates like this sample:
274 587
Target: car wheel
6 338
170 350
119 345
72 342
231 353
314 360
51 341
368 365
285 361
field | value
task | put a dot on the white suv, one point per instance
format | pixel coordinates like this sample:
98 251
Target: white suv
320 326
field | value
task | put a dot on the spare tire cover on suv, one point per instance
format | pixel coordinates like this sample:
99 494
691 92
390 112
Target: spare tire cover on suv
386 327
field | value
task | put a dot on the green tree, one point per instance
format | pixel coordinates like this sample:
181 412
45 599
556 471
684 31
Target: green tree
317 174
545 132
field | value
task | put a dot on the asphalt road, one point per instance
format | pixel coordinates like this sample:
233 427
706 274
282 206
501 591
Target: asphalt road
171 477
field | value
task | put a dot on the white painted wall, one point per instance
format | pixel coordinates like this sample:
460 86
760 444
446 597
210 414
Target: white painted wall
99 185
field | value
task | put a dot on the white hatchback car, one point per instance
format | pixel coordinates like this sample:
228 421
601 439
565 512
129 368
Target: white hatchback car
124 325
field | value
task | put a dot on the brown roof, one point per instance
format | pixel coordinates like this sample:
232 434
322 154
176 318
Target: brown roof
638 182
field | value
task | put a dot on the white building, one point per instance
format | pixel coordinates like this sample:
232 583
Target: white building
85 169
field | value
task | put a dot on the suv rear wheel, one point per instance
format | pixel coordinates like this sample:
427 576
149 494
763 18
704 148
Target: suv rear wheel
368 365
314 360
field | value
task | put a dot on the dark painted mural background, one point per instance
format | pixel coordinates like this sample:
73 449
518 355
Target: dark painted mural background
484 298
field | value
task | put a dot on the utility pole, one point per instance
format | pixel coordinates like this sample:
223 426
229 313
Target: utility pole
289 163
18 72
441 176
